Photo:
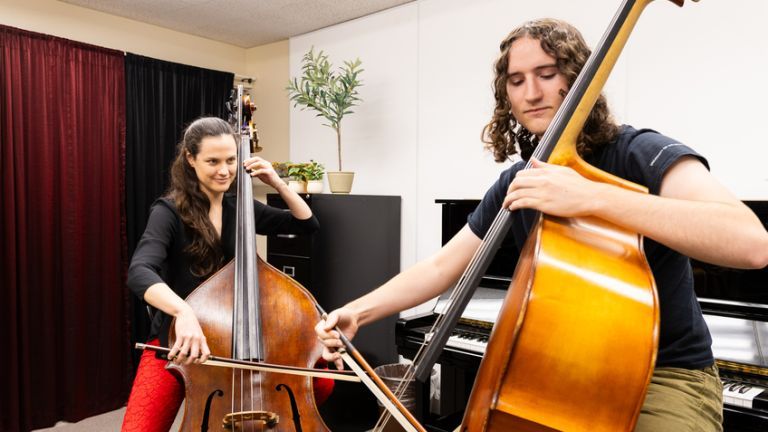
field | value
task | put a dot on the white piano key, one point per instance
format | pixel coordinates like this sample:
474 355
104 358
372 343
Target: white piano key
463 343
739 398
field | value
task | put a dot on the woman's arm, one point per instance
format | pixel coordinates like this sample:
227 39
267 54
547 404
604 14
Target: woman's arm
144 280
263 169
298 207
190 341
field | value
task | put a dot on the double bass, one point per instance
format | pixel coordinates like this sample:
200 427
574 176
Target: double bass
575 342
259 326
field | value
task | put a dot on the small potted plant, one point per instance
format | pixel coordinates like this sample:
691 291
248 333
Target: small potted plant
332 95
314 172
297 173
281 168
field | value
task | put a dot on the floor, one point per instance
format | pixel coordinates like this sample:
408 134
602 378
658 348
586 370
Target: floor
107 422
335 412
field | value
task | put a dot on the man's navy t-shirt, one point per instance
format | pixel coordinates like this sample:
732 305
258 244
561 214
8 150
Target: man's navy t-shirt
643 157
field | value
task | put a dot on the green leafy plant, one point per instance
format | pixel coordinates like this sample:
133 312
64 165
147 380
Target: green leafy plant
305 171
331 94
298 171
314 170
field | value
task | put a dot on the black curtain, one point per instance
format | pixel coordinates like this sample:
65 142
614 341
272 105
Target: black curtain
161 99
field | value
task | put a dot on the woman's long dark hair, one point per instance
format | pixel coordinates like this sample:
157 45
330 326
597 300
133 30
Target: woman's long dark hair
563 42
191 202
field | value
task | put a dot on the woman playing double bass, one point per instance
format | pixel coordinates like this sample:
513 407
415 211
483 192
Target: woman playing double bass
189 236
687 214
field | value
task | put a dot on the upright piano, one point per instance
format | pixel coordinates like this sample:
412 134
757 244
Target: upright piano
735 306
734 302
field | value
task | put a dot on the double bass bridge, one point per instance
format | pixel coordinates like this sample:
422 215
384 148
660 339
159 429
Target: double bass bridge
231 420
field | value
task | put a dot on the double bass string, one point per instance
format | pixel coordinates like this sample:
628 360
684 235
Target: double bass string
242 281
249 286
247 338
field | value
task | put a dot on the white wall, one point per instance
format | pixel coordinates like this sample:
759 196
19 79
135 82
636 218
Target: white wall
268 66
694 73
81 24
698 74
379 140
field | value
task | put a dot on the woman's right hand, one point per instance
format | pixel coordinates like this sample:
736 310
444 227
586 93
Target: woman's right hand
263 169
346 321
190 340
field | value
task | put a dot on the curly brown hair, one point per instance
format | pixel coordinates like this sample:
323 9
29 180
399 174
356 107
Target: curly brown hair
504 135
191 202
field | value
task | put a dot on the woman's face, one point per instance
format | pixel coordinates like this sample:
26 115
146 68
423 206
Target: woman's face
215 164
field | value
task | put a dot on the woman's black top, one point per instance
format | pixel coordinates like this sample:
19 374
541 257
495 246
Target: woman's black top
160 256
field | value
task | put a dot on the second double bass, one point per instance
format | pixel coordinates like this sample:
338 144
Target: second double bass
583 313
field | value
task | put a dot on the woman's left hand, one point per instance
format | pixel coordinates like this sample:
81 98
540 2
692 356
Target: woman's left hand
261 168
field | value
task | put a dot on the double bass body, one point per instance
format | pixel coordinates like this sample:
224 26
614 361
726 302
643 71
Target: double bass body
219 399
575 343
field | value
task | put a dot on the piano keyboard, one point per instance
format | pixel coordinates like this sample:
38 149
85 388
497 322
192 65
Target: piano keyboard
465 339
742 394
735 392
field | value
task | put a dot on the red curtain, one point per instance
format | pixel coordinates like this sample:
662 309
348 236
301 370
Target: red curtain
62 222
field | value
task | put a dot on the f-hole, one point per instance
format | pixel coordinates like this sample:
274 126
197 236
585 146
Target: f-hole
294 407
207 411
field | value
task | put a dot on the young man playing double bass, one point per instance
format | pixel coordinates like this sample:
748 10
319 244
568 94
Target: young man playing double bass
686 214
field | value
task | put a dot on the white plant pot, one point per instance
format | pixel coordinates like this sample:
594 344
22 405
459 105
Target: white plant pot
299 187
315 186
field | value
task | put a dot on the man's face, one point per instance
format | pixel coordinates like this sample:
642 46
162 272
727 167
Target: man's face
534 85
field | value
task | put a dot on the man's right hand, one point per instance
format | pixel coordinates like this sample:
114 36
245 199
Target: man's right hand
346 321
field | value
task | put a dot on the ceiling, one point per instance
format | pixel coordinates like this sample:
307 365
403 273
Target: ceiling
244 23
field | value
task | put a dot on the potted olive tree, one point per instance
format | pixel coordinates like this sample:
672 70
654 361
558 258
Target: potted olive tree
332 94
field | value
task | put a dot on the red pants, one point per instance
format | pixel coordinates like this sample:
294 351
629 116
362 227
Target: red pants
157 395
